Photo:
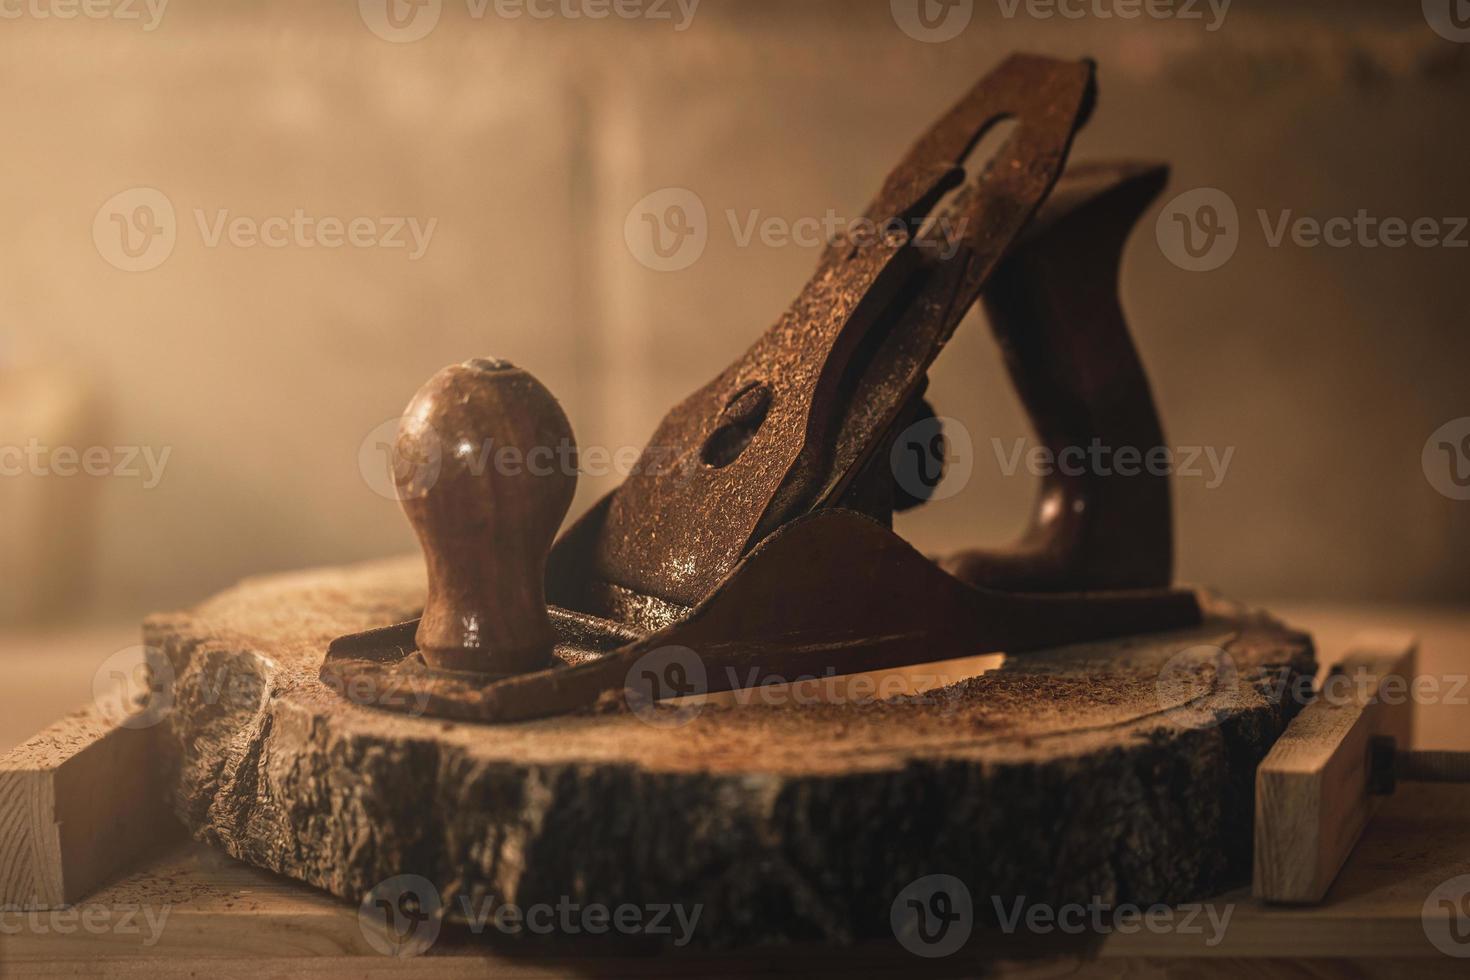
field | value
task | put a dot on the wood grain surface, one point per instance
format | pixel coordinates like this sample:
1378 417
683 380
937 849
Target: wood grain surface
1113 770
1312 790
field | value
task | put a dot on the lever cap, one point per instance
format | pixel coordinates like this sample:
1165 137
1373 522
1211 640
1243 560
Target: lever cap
487 514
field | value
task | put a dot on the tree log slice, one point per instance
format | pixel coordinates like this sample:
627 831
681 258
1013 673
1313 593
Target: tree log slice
1118 772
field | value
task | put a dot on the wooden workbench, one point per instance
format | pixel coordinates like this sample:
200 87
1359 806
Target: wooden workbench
224 918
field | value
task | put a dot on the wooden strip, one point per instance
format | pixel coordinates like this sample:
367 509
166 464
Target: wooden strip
78 802
1312 798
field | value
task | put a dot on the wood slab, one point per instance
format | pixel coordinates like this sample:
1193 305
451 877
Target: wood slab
1118 771
1312 795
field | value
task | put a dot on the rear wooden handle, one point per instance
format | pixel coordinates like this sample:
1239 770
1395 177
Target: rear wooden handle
486 512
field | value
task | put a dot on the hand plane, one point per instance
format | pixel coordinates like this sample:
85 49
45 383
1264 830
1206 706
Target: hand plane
755 534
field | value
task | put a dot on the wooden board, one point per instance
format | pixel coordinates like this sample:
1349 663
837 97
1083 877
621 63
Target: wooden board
78 802
227 919
1312 796
1064 776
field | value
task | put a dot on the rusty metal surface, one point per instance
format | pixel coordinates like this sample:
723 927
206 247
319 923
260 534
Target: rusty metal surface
675 529
756 529
828 594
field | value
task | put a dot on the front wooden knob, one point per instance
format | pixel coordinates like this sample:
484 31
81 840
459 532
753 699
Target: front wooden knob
487 514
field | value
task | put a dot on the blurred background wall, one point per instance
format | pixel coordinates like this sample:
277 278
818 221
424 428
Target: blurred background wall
249 379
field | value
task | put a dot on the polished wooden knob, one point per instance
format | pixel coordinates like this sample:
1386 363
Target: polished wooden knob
487 513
